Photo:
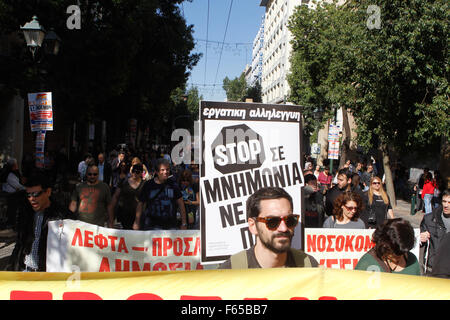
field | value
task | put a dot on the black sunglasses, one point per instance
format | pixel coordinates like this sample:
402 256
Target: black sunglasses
34 194
272 223
136 171
92 174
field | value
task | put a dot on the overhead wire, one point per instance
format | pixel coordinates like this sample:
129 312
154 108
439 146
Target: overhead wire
223 42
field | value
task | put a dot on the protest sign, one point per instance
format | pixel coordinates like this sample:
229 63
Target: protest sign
290 284
41 111
245 146
75 245
342 248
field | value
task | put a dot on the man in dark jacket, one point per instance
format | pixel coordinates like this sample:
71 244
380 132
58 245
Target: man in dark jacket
433 228
344 184
32 227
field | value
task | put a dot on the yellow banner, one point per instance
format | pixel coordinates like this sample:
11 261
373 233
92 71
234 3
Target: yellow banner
271 284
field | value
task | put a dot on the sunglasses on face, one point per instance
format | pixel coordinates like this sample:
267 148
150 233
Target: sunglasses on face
272 223
92 174
376 182
136 171
351 208
34 194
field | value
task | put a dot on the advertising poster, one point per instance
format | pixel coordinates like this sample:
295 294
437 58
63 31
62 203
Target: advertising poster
245 146
41 111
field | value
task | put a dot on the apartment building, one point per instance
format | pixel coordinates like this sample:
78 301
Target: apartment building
277 49
257 56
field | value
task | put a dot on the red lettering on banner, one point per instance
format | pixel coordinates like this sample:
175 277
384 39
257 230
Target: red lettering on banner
175 265
369 244
185 297
330 243
144 296
157 247
340 241
178 247
167 245
349 243
113 242
197 246
359 243
199 266
355 262
126 265
160 267
122 245
331 262
30 295
88 238
327 298
186 242
77 237
80 296
311 243
104 265
299 298
344 262
321 243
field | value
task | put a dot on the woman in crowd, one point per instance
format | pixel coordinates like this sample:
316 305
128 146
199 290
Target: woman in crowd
190 191
428 192
145 174
346 210
377 203
325 179
393 240
118 179
125 198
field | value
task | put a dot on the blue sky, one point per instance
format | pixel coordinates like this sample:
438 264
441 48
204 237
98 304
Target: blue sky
244 23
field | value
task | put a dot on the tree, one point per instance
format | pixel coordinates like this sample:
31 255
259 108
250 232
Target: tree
235 89
393 79
126 59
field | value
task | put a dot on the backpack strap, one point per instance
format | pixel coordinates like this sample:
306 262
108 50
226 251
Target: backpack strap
239 260
301 259
380 262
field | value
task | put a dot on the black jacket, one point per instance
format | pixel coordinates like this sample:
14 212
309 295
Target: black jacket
25 234
435 226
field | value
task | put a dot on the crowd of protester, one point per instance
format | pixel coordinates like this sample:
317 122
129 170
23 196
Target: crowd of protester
148 191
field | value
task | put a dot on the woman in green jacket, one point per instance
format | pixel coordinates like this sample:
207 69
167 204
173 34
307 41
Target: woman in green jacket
393 241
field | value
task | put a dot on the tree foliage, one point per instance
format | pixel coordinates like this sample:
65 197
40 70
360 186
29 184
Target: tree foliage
126 59
238 89
394 79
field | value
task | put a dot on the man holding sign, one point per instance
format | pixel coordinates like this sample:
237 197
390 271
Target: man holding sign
270 219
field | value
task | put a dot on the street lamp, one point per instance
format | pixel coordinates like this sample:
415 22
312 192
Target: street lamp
34 34
52 43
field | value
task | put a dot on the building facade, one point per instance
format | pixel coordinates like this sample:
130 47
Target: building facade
257 56
277 49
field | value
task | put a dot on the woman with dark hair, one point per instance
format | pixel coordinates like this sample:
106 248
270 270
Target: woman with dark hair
120 177
125 198
346 210
393 240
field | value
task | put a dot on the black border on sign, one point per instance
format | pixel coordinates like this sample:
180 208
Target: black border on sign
244 105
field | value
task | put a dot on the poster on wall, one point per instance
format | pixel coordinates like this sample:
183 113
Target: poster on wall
245 146
41 111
